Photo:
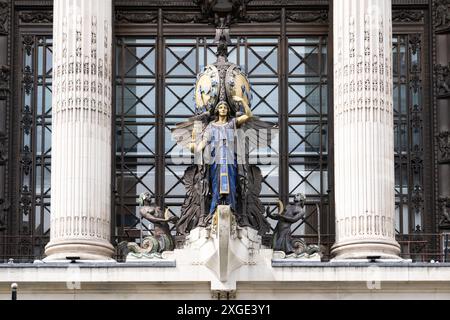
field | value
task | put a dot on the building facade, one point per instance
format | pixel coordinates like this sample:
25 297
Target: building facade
125 70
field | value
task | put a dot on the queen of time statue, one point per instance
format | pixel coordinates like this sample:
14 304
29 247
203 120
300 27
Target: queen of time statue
220 136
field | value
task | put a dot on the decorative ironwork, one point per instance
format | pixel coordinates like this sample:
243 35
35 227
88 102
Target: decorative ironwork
125 17
42 132
36 17
28 42
26 160
415 80
416 117
25 201
405 16
27 120
416 159
408 124
307 16
441 15
26 155
28 79
32 204
442 80
415 42
417 199
444 147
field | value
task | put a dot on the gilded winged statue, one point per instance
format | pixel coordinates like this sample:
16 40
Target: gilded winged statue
221 135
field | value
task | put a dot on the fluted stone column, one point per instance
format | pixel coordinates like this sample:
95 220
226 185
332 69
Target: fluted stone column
81 131
364 133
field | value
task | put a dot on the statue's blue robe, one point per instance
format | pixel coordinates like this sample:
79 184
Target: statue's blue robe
223 164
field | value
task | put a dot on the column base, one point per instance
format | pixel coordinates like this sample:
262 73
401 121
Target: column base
364 249
84 249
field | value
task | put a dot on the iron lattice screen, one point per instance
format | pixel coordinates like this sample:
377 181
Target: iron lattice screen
306 108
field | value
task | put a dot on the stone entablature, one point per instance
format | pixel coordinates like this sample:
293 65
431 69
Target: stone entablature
263 281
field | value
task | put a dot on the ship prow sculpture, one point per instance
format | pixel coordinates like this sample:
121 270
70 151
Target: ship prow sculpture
222 217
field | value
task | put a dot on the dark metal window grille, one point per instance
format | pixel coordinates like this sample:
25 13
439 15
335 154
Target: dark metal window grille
408 132
308 128
306 109
135 131
412 218
35 156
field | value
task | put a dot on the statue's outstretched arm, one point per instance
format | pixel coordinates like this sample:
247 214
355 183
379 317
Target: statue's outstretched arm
248 113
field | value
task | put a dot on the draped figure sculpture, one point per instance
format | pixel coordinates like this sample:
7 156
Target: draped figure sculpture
221 136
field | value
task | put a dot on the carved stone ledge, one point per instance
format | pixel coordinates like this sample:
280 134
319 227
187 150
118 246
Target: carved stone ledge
408 16
182 17
263 17
36 17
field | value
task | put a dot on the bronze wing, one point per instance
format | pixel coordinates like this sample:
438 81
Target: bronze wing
258 133
185 132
